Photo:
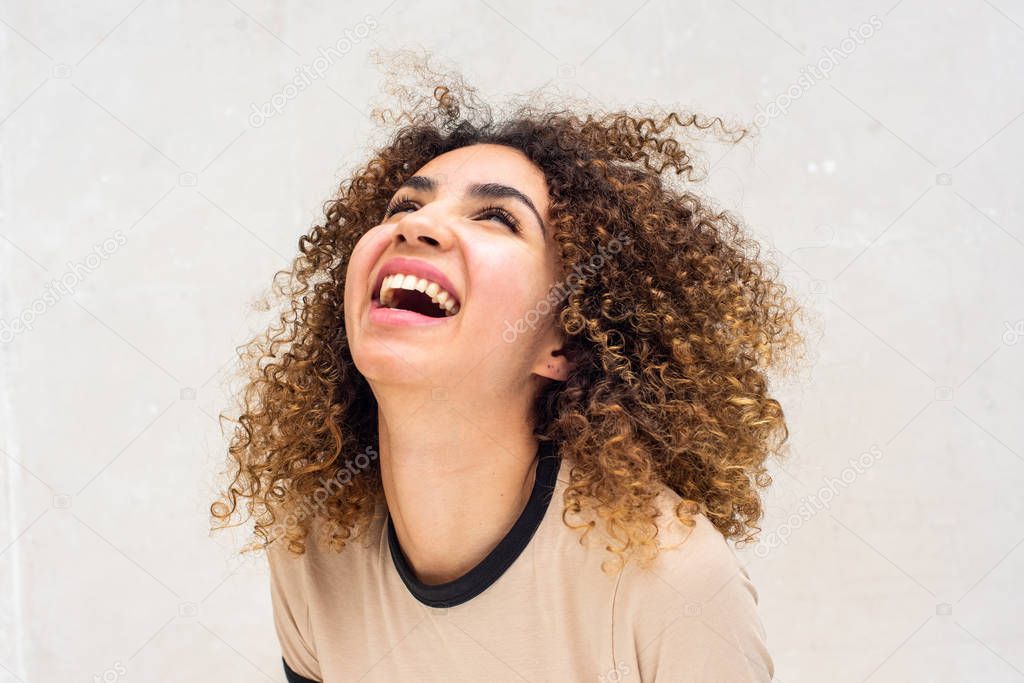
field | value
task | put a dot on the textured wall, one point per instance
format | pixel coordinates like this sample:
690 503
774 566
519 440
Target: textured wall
144 203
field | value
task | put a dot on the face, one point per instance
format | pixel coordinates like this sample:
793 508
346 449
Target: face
472 223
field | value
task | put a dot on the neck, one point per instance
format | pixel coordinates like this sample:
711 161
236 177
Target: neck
456 475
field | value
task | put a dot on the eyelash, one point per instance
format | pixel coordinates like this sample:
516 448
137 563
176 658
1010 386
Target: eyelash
509 219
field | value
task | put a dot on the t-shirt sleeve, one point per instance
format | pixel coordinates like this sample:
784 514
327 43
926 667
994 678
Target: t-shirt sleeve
696 616
291 616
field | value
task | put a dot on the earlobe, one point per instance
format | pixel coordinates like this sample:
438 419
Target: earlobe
558 365
561 369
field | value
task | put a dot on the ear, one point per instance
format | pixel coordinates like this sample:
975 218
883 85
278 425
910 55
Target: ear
558 367
552 362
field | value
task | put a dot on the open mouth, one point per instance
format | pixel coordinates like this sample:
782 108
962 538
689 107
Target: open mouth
416 302
417 295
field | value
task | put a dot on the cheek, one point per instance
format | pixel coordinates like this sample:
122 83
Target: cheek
508 288
360 263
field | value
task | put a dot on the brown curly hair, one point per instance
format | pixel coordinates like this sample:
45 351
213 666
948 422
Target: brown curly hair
671 337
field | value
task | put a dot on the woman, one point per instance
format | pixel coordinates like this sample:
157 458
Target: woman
516 412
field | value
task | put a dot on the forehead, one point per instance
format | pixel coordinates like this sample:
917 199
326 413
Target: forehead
488 163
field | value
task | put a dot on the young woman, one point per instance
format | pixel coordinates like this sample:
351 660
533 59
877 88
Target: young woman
516 411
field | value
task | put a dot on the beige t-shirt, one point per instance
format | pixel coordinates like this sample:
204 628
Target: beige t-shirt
537 608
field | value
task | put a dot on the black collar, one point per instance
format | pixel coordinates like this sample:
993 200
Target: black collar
480 577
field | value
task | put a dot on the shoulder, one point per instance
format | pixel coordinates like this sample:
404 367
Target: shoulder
694 607
688 556
302 588
320 567
694 562
694 553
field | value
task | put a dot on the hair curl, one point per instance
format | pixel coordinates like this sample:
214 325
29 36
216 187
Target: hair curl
671 338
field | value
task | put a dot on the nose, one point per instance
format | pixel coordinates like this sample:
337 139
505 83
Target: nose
425 225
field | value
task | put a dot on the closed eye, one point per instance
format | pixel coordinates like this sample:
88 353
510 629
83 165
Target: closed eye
506 217
398 206
401 204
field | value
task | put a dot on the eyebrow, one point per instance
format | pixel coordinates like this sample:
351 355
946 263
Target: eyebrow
481 190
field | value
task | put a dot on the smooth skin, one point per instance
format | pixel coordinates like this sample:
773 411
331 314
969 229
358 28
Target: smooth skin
457 453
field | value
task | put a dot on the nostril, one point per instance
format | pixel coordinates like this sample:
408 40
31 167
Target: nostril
429 240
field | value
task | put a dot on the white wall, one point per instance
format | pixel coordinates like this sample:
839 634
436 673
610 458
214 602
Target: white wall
885 189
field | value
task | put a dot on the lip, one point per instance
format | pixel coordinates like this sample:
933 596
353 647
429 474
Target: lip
420 269
397 317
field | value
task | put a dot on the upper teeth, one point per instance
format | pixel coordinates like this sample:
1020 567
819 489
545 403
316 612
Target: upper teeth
436 293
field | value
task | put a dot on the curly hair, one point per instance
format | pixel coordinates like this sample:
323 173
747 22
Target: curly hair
671 337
